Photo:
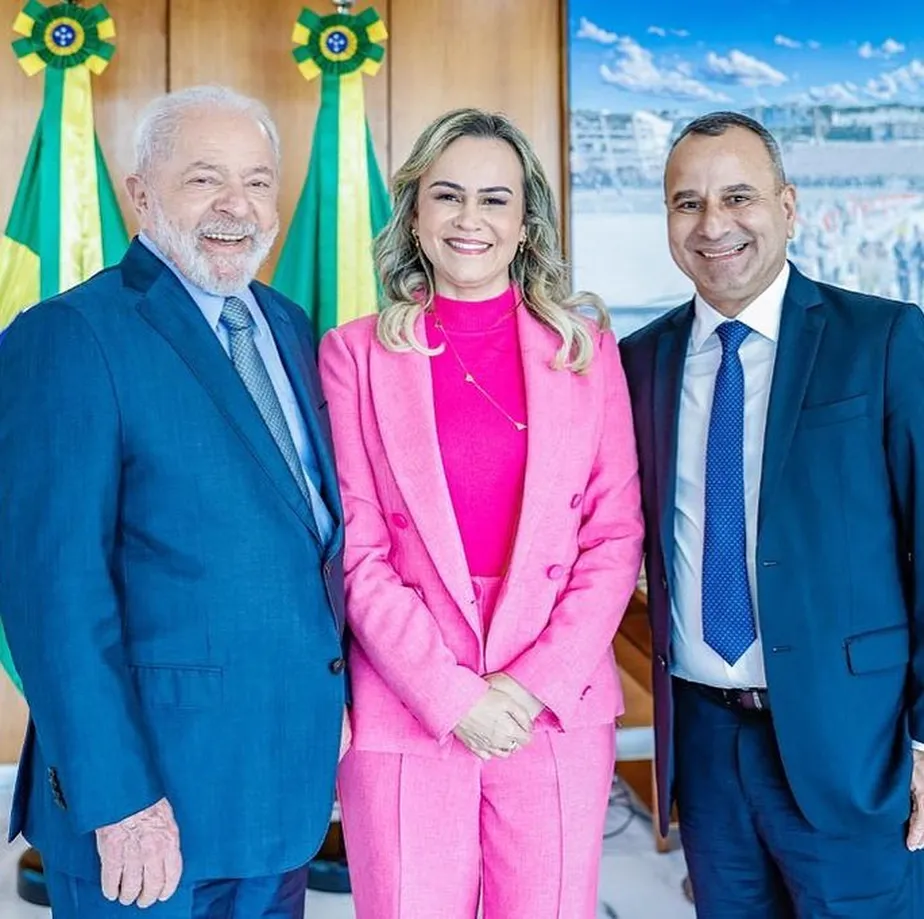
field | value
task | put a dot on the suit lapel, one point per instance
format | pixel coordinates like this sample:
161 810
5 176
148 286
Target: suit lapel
167 307
670 355
549 419
801 326
402 395
309 400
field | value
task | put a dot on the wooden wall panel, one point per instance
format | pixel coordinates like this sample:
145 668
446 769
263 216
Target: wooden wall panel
246 44
504 55
137 73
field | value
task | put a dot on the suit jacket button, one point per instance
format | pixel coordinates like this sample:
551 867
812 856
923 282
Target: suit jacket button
663 582
336 665
555 572
662 662
399 520
576 500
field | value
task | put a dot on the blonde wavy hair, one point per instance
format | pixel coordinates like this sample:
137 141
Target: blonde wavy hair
538 269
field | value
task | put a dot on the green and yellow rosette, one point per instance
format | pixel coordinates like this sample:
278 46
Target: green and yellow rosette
62 36
339 44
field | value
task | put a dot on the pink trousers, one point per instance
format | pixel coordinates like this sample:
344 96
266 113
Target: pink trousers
431 838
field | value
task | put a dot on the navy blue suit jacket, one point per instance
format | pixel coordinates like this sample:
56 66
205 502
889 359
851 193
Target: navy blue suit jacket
174 617
840 577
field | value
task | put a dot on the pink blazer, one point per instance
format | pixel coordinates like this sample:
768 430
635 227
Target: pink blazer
417 655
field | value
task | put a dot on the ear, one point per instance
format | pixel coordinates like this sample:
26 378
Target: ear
788 198
139 195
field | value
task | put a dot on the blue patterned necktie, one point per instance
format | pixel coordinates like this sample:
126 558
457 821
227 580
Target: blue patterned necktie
728 618
236 318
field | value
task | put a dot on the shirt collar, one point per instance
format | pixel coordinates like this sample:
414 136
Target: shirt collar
210 304
762 315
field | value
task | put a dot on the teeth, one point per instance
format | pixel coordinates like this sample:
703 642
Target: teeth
222 237
731 251
467 247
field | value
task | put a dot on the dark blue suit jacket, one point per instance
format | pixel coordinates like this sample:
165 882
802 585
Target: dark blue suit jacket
175 619
840 577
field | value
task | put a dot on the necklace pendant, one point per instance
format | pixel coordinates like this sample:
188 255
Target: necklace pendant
519 425
469 378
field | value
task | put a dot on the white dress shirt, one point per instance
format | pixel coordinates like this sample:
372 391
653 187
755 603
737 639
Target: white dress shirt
211 306
692 658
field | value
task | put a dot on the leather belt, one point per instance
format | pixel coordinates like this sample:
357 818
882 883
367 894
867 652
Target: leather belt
751 701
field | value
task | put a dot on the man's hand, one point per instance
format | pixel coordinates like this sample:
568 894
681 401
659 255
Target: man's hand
140 855
496 726
346 734
915 839
513 689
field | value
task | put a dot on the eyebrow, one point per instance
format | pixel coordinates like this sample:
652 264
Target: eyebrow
456 187
212 167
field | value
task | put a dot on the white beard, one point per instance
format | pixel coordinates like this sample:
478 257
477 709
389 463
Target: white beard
222 275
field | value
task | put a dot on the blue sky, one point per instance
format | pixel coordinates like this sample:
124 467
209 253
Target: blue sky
666 54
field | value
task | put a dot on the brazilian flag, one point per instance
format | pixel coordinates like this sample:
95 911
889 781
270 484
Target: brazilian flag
326 261
65 224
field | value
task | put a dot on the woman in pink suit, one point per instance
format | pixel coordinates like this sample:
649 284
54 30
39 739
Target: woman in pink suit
484 441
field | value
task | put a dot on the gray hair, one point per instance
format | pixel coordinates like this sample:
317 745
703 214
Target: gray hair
159 124
717 123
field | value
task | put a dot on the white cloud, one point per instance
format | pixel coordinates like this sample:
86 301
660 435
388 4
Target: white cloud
741 69
887 86
884 88
661 32
834 94
636 71
785 42
593 32
889 48
814 45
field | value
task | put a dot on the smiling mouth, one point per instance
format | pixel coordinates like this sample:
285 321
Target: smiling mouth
225 239
719 254
467 246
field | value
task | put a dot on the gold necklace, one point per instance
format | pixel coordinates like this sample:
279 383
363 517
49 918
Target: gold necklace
470 377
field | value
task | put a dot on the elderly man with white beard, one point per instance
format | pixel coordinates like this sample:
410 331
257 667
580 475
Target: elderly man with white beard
171 577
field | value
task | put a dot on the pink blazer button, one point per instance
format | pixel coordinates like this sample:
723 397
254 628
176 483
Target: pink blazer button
399 520
576 500
555 572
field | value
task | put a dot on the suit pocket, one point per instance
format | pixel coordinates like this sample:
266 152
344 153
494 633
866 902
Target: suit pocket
883 649
183 686
816 416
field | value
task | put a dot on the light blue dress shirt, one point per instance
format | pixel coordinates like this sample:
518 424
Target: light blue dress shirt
211 305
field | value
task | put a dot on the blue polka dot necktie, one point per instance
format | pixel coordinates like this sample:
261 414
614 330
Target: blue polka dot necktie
728 617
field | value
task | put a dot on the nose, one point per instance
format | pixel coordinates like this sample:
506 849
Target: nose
232 201
714 223
467 217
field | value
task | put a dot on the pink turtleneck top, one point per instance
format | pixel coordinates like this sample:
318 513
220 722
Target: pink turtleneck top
484 455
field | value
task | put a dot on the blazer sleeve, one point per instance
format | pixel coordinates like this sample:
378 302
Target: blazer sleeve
558 665
387 618
59 495
904 413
